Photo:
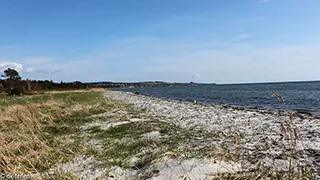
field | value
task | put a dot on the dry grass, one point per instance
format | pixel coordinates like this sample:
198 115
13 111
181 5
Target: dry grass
22 137
30 132
289 136
72 91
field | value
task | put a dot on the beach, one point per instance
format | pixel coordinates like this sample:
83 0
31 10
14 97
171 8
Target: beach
254 134
115 135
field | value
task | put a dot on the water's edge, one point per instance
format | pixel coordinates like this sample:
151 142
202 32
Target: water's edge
299 113
306 112
299 97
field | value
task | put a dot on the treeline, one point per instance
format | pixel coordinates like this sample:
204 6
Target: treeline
13 84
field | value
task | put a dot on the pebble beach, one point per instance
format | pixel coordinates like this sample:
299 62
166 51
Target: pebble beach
256 132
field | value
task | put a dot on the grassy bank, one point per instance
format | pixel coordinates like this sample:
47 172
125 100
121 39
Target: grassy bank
33 128
43 131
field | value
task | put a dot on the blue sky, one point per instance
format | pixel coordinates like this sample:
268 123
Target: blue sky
222 41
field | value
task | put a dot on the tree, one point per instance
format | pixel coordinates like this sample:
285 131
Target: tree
14 84
11 74
1 88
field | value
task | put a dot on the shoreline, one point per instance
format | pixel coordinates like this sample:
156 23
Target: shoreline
122 135
304 113
300 112
258 130
310 112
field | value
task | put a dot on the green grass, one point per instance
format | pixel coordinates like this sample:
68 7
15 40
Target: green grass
130 129
68 97
117 145
38 126
123 142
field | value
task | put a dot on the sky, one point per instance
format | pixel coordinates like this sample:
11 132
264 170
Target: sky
210 41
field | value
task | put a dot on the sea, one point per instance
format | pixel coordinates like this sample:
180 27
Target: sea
303 97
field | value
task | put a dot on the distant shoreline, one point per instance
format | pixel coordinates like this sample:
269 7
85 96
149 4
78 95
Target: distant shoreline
280 82
107 84
140 84
298 112
301 98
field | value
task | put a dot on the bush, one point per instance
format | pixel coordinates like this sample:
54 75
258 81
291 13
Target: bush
15 91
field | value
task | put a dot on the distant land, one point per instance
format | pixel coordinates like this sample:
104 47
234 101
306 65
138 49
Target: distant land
140 84
271 82
107 84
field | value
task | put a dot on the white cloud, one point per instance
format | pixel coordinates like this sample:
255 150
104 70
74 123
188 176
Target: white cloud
30 69
240 37
38 60
57 72
158 57
17 66
5 65
146 58
286 35
238 63
196 76
221 62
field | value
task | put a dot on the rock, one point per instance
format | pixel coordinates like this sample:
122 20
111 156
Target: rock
117 173
192 169
153 135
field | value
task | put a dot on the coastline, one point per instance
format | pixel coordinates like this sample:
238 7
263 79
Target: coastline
298 112
252 96
163 106
122 135
258 131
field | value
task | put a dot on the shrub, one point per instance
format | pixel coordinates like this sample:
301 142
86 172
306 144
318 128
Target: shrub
15 91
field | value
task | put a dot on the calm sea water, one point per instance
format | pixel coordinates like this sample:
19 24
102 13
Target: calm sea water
299 96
